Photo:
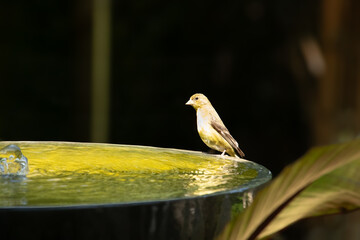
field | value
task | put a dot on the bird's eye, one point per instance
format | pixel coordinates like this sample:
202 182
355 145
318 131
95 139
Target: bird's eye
196 98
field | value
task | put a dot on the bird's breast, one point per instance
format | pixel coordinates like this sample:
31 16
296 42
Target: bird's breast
203 118
206 131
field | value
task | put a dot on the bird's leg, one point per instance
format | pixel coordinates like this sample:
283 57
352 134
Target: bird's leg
223 153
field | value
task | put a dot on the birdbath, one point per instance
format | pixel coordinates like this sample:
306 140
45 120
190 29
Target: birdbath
109 191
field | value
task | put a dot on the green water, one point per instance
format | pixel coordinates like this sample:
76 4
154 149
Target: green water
71 174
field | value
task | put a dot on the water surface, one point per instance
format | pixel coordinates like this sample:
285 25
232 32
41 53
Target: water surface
69 174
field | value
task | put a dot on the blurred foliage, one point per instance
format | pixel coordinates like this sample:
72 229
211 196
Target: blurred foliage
325 181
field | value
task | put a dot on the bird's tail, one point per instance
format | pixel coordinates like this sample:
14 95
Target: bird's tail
239 153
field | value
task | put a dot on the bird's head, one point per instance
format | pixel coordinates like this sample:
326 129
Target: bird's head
198 100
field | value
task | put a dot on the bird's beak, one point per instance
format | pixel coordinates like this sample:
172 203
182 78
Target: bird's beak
190 102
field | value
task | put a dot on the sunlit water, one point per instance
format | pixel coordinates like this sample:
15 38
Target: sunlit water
68 174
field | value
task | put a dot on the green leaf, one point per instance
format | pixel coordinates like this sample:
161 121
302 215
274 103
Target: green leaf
324 181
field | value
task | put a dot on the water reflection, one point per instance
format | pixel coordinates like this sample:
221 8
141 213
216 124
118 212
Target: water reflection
13 190
223 178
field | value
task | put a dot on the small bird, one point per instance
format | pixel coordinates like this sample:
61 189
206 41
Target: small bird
211 129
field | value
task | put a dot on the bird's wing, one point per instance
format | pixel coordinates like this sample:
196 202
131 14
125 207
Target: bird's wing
224 132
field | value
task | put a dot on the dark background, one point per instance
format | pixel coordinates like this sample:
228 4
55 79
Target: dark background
283 75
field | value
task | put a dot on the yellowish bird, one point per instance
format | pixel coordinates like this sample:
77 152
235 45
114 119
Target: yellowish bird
211 129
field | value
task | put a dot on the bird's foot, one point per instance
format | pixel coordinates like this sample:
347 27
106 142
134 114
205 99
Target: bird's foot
223 153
